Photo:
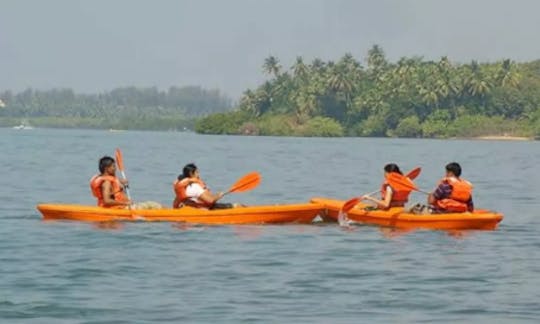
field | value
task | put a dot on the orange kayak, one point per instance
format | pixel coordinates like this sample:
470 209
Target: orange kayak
398 218
294 213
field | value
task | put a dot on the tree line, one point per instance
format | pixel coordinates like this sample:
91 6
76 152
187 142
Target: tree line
412 97
123 108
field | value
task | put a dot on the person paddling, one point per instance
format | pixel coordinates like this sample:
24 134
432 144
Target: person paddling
107 188
190 190
453 194
390 197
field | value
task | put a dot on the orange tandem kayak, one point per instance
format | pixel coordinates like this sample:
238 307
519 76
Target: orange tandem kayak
398 218
293 213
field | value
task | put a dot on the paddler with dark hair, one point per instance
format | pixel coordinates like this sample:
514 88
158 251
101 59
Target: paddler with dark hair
107 188
390 196
453 194
190 190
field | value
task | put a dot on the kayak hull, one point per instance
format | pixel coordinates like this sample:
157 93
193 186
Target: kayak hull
398 218
294 213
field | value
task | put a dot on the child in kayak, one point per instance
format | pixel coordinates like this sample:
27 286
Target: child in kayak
453 194
190 190
390 196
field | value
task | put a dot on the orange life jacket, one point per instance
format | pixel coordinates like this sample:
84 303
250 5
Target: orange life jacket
399 197
117 189
180 187
460 195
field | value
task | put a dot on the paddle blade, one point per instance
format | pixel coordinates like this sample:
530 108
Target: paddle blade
247 182
119 160
400 182
349 204
414 173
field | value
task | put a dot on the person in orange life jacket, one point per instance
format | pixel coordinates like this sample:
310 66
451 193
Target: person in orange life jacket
390 197
107 188
190 190
453 194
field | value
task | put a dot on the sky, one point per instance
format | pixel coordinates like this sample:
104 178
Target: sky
97 45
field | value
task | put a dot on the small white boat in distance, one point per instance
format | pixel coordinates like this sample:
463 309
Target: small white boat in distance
23 125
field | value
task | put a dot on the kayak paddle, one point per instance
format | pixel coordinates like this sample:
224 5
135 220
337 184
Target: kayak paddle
349 204
248 182
120 164
400 182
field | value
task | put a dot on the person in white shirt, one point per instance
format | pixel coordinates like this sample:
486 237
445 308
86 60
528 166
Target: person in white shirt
190 190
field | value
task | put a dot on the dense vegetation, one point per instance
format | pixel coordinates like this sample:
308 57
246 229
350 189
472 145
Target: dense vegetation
410 98
122 108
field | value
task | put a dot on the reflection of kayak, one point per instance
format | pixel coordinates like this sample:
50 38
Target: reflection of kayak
294 213
396 217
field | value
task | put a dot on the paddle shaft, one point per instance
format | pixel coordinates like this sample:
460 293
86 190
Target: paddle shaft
126 187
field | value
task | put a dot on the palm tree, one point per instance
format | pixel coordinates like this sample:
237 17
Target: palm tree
478 83
248 103
507 76
300 70
271 66
376 59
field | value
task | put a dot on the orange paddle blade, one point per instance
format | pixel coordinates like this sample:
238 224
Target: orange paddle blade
247 182
119 160
400 182
414 173
349 204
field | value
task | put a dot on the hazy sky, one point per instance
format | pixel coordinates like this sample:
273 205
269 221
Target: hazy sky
97 45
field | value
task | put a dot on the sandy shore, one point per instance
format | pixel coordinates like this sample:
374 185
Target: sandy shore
504 138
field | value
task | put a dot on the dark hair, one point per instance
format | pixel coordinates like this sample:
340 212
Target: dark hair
104 163
454 167
187 171
392 167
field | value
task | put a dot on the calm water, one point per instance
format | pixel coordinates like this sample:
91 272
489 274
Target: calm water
68 272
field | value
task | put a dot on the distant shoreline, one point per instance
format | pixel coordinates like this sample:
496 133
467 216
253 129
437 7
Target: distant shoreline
504 138
114 130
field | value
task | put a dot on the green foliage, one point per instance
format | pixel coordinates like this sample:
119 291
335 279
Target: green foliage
409 98
408 127
480 125
276 125
322 127
374 125
124 108
437 124
222 123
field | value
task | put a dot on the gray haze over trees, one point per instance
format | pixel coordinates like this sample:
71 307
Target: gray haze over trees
96 46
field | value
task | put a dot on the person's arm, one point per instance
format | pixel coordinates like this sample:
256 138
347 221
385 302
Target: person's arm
383 204
210 198
107 192
176 203
470 205
194 190
442 191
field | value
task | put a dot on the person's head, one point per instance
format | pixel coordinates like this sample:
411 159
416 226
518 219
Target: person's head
107 165
453 169
392 167
190 171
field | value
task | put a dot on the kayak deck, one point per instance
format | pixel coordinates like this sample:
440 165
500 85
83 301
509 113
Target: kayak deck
293 213
398 218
